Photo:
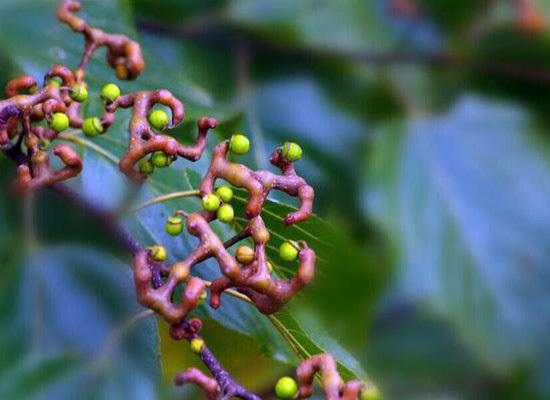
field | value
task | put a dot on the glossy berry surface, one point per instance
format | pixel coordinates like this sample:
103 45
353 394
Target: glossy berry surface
370 392
158 119
292 151
225 193
146 167
59 122
197 345
79 92
174 225
210 202
244 255
110 92
286 388
160 160
288 252
158 253
225 213
92 127
239 144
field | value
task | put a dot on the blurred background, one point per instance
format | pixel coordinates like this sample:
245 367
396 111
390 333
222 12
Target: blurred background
425 129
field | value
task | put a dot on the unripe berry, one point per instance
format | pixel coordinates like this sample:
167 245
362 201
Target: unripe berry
369 392
288 252
292 151
202 298
158 253
79 92
197 345
158 119
286 388
210 202
161 160
269 267
110 92
225 193
174 225
54 81
59 122
146 167
225 213
244 255
44 144
92 127
239 144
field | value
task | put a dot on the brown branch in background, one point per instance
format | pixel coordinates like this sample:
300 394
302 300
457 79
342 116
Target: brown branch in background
123 54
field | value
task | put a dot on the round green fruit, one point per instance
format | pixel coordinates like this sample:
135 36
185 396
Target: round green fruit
202 298
79 92
225 213
110 92
59 122
92 127
174 226
158 119
197 345
286 388
288 252
146 167
158 253
239 144
369 392
225 193
292 151
210 202
160 160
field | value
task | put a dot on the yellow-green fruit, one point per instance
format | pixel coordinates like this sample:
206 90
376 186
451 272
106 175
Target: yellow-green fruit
202 298
225 213
79 92
54 81
292 151
161 160
286 388
59 122
225 193
288 252
370 392
239 144
158 119
197 345
44 144
110 92
158 253
244 255
146 167
210 202
269 267
174 225
92 127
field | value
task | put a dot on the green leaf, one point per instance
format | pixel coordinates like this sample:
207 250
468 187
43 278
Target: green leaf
463 197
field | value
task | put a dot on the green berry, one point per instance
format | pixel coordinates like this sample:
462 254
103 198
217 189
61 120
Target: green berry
161 160
59 122
158 119
244 255
158 253
292 151
110 92
269 267
225 213
79 92
92 127
202 298
210 202
288 252
286 388
239 144
146 167
197 345
54 81
370 392
174 225
225 193
44 144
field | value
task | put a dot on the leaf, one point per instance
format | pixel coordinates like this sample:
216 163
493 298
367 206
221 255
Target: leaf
463 197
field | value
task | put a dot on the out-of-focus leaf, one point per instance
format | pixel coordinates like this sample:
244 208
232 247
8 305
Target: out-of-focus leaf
463 196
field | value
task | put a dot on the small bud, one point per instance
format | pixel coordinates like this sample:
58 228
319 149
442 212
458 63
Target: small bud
92 127
244 255
210 202
158 253
292 151
59 122
288 252
79 92
225 213
160 160
239 144
146 167
110 92
286 388
225 193
197 345
174 225
158 119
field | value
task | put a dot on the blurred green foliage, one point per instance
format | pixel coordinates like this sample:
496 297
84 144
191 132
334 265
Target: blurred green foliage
425 138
